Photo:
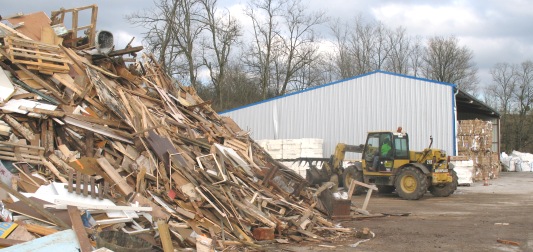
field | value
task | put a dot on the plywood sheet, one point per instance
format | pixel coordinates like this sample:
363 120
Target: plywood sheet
33 24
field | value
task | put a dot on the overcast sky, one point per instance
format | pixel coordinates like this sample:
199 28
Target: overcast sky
495 30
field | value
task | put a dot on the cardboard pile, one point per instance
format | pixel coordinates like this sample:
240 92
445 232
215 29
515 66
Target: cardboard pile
94 140
475 143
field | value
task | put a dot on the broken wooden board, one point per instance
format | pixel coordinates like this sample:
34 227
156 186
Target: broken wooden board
120 181
21 208
79 229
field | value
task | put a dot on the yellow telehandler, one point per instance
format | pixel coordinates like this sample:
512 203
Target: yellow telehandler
410 173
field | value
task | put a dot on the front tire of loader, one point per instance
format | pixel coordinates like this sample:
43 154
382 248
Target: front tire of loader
411 183
445 190
349 174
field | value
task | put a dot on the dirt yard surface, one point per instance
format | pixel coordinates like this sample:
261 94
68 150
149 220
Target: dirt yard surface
474 218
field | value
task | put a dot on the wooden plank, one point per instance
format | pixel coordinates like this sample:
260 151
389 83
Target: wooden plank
30 149
254 212
9 242
164 234
61 204
508 242
49 36
79 229
68 82
367 198
21 157
351 189
92 119
69 156
79 180
55 92
85 185
60 163
13 31
38 229
25 132
31 54
100 129
157 211
373 187
22 76
140 184
123 186
54 170
70 181
38 208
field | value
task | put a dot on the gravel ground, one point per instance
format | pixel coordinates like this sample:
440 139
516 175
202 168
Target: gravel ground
474 218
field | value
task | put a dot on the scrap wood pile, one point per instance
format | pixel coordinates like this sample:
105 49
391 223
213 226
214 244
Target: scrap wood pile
131 150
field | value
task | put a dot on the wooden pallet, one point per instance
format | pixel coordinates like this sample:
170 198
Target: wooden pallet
45 58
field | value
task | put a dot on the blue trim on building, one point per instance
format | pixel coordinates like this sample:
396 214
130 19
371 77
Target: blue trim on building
454 133
339 81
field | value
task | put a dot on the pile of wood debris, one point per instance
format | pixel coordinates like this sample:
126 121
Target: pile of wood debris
96 141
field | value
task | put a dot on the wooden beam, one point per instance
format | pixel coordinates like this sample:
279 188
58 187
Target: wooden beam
68 82
40 230
34 206
79 229
164 234
25 132
120 181
9 242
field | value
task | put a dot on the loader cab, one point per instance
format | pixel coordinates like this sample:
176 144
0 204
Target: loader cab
376 160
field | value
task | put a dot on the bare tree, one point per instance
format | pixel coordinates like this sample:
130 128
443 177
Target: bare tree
223 34
237 86
342 59
158 24
503 86
400 47
265 31
524 98
415 56
446 61
173 32
362 46
284 42
299 48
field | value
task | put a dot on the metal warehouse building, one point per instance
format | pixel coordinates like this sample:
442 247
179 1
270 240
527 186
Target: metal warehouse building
344 111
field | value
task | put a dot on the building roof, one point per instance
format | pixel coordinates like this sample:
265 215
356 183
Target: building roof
468 107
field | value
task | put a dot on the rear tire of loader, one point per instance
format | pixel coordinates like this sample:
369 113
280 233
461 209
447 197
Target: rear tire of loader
411 183
349 174
445 190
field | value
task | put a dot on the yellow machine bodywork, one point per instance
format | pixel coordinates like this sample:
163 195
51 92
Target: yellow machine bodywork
410 173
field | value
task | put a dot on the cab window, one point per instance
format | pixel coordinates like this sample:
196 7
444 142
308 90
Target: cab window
401 147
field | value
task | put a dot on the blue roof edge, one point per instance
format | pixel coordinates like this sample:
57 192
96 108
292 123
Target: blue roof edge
339 81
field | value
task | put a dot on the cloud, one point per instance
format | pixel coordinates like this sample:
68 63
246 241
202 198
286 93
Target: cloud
428 20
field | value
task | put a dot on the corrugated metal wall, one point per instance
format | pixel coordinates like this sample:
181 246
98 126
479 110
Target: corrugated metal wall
345 111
